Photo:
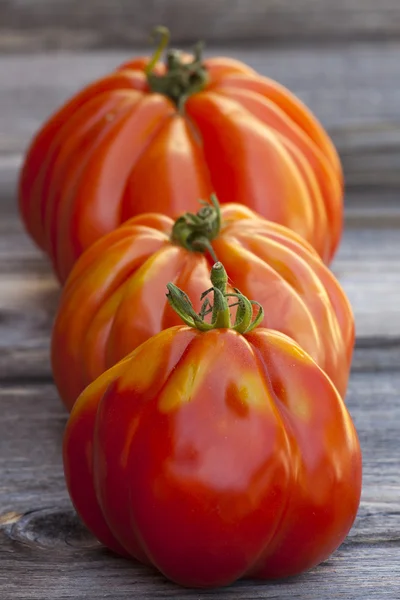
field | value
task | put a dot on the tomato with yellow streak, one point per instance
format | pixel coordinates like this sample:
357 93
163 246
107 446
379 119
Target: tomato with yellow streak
156 137
113 300
215 451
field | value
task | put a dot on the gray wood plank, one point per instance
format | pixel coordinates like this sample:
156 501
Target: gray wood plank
90 575
28 24
365 206
45 552
367 265
351 88
375 355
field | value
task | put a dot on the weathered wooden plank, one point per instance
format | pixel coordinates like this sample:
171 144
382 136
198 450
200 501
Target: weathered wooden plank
376 355
352 89
45 552
90 575
367 206
29 295
372 208
31 362
367 265
99 23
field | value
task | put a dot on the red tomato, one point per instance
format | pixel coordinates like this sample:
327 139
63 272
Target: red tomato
157 139
113 300
215 455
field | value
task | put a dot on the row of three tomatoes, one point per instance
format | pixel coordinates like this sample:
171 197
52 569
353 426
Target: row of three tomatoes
208 434
213 441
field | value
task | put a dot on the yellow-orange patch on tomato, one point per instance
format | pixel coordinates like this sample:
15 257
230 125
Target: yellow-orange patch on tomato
252 391
302 407
146 362
154 267
183 384
288 346
95 390
133 426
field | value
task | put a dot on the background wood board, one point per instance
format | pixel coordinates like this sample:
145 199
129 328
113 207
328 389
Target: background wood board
367 265
38 574
45 552
32 24
352 89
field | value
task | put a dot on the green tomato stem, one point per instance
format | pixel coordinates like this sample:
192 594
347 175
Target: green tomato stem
181 79
195 232
220 309
165 35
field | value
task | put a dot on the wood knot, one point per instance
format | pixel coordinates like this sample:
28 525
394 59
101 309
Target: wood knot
57 528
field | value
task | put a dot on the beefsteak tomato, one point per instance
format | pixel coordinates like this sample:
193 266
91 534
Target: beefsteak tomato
113 301
153 137
215 453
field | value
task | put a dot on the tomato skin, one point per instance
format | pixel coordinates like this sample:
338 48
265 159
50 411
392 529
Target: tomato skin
215 456
115 298
144 155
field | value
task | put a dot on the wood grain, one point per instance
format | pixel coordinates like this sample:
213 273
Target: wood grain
351 88
71 24
45 552
91 575
367 265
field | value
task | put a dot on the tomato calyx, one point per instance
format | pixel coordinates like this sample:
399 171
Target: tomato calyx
220 309
181 79
195 232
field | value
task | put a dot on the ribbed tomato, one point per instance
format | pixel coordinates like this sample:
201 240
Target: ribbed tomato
215 455
153 137
113 300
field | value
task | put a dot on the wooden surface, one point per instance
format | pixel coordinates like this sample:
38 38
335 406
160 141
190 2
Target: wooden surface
44 551
73 24
353 88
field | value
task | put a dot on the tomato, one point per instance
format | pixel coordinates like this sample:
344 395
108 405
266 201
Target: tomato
215 452
113 300
154 138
